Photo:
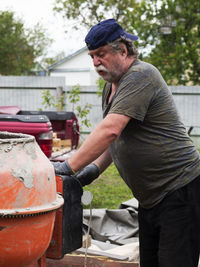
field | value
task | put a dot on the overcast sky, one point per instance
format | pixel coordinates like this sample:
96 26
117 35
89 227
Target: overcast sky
33 11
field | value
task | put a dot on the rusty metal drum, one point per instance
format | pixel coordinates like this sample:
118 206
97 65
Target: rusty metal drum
28 200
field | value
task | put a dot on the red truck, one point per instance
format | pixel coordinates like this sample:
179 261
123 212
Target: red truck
42 125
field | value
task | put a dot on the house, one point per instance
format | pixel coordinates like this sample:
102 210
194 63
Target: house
77 68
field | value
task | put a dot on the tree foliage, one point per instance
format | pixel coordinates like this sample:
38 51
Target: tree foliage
90 12
21 49
172 28
169 30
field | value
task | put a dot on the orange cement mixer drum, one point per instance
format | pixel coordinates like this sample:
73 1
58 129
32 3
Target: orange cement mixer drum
28 200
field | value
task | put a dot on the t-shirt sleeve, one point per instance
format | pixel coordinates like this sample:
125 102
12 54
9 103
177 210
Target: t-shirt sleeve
133 96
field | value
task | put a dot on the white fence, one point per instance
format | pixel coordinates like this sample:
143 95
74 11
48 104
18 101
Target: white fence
187 99
26 92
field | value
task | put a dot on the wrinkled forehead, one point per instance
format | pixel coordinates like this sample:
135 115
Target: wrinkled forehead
102 49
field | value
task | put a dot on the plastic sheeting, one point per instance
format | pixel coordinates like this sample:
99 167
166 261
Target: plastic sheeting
114 232
118 226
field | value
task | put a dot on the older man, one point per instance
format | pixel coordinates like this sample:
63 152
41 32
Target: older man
143 135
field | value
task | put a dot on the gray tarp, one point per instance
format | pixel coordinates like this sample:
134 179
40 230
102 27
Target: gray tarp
119 226
114 232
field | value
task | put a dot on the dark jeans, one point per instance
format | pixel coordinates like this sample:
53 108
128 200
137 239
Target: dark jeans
169 233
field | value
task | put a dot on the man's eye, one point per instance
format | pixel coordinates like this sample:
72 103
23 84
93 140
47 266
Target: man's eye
101 55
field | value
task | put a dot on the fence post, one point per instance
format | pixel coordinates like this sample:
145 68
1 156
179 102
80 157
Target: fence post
60 97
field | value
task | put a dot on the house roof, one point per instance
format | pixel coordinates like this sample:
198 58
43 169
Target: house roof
51 67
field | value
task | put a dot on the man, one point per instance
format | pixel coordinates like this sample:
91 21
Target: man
143 135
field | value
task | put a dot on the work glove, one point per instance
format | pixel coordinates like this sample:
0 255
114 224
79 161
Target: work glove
62 168
88 174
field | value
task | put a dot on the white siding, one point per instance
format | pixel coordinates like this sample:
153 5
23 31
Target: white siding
77 69
81 60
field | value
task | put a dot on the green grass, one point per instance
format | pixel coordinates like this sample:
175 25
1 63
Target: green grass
109 190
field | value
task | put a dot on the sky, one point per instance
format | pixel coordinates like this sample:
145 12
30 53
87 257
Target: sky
33 11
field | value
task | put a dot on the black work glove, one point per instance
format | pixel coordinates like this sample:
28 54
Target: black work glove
88 174
62 168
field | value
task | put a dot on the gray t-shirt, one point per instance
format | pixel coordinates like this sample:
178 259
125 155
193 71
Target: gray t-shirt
154 154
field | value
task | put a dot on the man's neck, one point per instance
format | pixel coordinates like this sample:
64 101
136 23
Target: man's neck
130 61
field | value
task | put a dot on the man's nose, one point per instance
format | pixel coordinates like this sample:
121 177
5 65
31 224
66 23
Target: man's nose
96 61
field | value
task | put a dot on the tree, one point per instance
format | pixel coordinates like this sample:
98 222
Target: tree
172 28
89 12
169 30
21 49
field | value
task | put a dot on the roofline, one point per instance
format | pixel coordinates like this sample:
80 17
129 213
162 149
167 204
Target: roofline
67 58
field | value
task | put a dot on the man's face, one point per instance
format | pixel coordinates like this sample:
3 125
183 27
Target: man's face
108 64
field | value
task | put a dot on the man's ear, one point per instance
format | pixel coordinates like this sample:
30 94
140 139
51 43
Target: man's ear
124 51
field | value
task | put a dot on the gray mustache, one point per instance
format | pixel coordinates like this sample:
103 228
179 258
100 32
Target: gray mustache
100 68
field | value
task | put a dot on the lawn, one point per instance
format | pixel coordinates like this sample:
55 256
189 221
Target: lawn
109 190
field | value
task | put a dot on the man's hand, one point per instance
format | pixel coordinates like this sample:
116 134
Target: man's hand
88 174
62 168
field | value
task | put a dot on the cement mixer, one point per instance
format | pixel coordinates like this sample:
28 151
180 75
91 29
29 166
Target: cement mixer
37 209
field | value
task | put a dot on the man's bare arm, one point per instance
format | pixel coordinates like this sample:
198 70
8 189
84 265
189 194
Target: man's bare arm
99 141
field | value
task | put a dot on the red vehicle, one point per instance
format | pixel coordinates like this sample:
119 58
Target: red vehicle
42 125
37 125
